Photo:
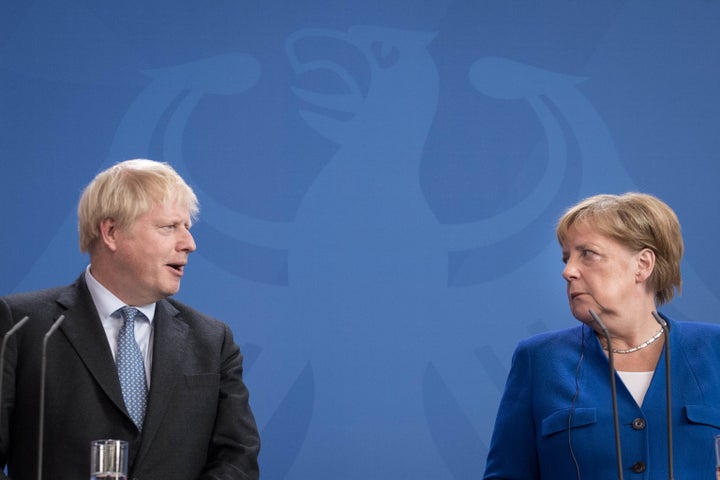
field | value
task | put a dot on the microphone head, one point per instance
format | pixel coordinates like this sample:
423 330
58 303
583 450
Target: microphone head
660 320
600 323
17 326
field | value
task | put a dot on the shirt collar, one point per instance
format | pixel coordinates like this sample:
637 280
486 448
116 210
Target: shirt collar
106 303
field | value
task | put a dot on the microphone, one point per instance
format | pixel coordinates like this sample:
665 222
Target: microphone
613 390
5 340
41 415
668 392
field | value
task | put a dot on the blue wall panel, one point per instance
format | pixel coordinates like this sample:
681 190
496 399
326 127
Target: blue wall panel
379 183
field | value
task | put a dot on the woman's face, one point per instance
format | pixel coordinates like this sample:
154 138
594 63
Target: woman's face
602 274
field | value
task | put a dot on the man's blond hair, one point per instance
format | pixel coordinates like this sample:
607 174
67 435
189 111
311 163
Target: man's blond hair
126 191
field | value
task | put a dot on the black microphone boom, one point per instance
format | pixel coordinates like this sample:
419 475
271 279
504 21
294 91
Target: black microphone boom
613 390
5 340
41 415
668 392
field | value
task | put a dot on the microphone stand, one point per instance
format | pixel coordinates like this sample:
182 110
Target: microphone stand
41 415
613 390
668 392
5 340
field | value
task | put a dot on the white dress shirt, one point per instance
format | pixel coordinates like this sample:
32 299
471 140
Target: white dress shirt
107 305
637 384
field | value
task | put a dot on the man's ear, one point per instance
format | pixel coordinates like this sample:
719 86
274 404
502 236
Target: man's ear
108 233
645 264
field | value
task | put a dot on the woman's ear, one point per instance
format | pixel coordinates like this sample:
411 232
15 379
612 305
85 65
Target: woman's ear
645 264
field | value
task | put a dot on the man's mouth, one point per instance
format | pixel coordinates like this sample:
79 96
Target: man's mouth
177 267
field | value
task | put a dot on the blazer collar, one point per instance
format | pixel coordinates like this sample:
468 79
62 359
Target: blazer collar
83 329
169 345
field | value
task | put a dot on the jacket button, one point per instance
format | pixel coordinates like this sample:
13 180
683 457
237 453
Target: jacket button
638 467
639 424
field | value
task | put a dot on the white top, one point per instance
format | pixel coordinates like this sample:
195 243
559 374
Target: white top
637 384
107 304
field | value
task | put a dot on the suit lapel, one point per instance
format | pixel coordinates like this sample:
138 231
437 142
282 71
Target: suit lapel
169 343
83 329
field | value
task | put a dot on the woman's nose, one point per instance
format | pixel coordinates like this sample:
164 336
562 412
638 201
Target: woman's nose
569 272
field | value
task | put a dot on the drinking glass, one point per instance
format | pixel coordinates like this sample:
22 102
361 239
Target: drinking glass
108 459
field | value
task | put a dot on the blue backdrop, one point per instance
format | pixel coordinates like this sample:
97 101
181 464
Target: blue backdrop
379 183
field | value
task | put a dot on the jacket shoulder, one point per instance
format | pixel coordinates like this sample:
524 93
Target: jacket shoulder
191 315
39 302
553 339
697 331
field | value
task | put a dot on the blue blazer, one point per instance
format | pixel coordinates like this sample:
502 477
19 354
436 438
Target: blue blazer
198 423
557 403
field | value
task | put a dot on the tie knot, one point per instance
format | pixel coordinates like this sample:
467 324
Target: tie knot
129 313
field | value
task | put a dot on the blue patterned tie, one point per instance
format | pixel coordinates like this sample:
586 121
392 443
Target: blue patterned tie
131 368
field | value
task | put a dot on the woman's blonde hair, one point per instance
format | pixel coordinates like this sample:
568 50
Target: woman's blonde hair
638 221
126 191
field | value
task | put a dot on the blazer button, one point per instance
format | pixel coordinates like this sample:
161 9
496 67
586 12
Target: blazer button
638 467
639 424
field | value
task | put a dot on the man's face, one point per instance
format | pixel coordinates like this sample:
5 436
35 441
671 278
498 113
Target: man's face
150 255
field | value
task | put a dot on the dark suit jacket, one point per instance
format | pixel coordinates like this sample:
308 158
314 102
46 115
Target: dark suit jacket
198 423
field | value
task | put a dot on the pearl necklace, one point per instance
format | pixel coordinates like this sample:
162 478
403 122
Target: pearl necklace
639 347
